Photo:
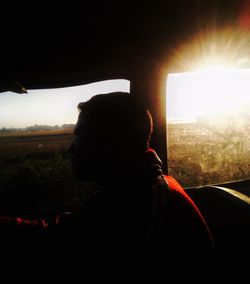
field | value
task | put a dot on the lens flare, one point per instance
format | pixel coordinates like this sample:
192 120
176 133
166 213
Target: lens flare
225 48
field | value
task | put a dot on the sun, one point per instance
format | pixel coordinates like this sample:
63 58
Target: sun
224 48
210 74
210 91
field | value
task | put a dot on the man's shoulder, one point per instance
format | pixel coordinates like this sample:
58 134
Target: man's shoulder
177 192
179 198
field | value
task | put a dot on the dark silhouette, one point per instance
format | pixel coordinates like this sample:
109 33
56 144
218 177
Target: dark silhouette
136 206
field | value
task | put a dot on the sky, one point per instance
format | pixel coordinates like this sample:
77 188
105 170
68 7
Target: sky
193 94
51 106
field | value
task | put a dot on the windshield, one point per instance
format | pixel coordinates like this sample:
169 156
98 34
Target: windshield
36 130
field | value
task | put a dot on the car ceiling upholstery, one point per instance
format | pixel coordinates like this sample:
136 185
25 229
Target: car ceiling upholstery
66 43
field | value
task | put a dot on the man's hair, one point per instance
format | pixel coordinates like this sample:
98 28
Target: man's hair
119 115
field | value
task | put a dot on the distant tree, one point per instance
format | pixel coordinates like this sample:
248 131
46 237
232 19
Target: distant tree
68 125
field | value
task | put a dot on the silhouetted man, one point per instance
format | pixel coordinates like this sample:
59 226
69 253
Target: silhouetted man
137 205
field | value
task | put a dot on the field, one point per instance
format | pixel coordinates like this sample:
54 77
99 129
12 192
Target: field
201 154
36 177
35 174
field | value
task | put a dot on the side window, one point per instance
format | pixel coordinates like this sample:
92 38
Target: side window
36 130
208 120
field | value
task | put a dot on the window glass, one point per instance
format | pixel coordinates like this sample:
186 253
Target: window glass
208 126
36 130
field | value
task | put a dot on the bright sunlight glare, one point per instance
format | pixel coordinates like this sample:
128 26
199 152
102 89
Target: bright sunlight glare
194 94
213 64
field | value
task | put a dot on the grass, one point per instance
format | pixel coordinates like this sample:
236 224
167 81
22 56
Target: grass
35 174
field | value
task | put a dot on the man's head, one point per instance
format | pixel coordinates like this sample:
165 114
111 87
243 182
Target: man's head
112 130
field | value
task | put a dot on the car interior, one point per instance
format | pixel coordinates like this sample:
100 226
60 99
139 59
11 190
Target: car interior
168 53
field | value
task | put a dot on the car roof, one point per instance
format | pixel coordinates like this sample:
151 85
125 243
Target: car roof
66 43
